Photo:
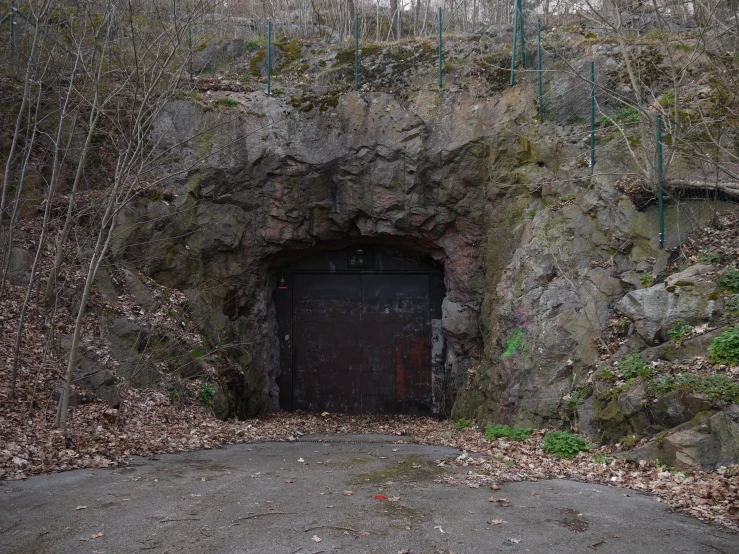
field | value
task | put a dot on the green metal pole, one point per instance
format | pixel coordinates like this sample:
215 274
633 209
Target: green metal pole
269 58
356 51
522 22
592 114
189 41
515 41
660 183
5 18
538 59
441 48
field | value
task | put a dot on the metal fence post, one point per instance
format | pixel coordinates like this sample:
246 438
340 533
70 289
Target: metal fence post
522 22
538 58
660 183
269 58
592 114
441 49
356 51
515 43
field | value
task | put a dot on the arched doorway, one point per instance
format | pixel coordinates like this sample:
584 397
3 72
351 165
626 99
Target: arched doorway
360 331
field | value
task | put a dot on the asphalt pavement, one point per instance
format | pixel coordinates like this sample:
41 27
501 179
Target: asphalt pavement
358 494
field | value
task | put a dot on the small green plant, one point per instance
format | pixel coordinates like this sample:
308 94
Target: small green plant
645 279
253 45
666 99
709 258
729 281
624 115
679 332
564 444
196 353
532 214
601 458
732 305
512 343
567 197
500 431
227 102
174 396
724 349
607 375
632 366
463 424
206 394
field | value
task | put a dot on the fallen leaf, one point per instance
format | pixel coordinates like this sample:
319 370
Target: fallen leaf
81 508
96 535
346 493
393 499
503 502
329 506
473 485
289 481
363 533
404 551
496 521
532 493
494 487
440 529
514 540
300 460
316 538
492 499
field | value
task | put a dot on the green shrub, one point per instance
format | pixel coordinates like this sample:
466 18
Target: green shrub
253 45
632 366
564 444
463 424
724 349
729 281
645 278
206 394
499 431
227 102
679 332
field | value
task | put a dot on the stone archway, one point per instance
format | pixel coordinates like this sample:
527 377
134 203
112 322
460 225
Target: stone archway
373 173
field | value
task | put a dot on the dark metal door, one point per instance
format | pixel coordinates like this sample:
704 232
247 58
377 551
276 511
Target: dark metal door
362 343
327 347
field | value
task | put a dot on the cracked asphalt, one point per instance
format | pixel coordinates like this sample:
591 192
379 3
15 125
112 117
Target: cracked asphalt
315 497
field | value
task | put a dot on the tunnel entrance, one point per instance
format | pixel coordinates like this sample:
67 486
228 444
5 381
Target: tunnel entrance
360 332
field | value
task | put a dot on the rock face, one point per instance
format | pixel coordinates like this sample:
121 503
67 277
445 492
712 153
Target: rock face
533 263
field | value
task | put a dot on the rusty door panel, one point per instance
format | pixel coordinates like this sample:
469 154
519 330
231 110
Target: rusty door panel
362 343
396 318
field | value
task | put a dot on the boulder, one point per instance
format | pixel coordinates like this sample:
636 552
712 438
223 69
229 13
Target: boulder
691 295
19 270
141 294
710 440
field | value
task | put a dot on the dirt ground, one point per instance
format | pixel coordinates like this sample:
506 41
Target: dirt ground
319 495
